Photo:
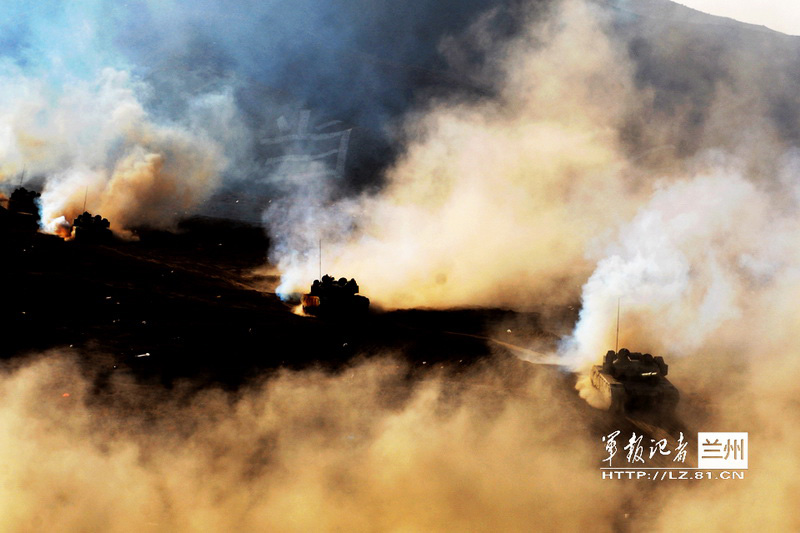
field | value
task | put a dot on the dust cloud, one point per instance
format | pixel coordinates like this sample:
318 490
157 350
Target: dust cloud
362 449
536 194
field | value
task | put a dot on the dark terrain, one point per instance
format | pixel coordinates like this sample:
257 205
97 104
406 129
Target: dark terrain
198 304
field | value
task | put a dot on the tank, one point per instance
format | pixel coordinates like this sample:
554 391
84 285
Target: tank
91 229
330 298
633 381
25 202
22 213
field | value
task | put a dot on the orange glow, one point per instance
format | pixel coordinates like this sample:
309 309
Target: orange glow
65 232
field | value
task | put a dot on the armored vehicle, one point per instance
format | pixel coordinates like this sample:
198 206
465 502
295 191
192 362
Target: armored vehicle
91 229
632 381
23 201
22 213
331 298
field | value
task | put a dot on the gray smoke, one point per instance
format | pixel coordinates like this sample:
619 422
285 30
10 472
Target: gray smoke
167 105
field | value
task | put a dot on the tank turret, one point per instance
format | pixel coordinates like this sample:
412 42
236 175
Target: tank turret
331 297
633 381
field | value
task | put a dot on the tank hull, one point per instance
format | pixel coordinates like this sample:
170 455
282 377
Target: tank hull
612 390
323 306
92 235
635 382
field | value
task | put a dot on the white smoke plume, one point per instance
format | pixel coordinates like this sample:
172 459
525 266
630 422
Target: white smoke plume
696 260
95 142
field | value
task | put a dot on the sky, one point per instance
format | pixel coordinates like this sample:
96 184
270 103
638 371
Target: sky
779 15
